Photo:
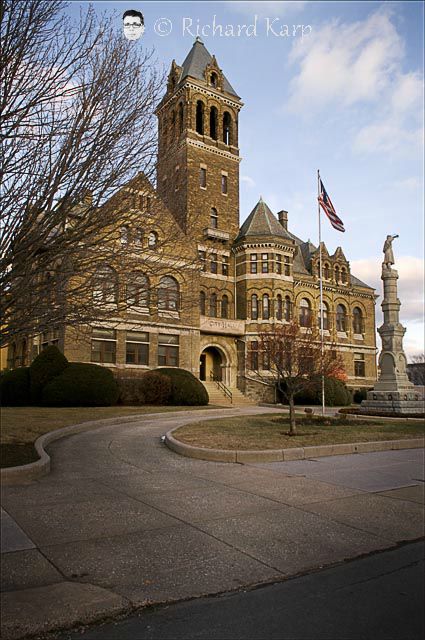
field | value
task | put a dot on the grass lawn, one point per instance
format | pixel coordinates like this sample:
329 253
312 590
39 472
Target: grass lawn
270 432
21 426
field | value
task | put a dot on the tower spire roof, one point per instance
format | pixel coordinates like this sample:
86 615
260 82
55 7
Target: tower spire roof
195 63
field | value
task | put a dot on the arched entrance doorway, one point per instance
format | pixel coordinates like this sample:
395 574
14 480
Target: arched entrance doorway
211 364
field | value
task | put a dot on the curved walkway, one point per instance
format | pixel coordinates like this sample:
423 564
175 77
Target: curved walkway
122 522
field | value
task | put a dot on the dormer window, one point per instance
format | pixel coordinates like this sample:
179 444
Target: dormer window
213 79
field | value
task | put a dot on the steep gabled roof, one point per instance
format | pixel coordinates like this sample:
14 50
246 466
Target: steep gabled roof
262 222
195 63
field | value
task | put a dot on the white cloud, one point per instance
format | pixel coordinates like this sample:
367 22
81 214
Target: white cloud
386 136
248 181
412 183
346 65
266 9
410 293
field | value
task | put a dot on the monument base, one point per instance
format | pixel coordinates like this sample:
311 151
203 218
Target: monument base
405 402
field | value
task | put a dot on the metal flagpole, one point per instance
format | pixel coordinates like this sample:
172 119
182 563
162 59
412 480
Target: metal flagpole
321 292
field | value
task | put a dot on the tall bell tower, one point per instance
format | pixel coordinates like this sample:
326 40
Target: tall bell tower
198 157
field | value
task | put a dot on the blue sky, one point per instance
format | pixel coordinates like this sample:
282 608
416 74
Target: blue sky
346 98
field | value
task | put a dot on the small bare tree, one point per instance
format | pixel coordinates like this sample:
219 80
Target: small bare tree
78 122
416 369
293 361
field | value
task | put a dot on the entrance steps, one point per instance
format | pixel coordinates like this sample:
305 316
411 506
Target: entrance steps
217 396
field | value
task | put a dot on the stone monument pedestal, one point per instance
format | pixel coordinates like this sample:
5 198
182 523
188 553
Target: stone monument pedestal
393 393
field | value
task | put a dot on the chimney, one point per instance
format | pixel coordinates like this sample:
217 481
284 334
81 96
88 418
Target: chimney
283 219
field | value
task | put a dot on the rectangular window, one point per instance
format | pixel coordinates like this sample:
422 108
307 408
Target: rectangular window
359 365
168 350
223 183
103 345
254 355
214 264
253 265
214 219
137 347
225 266
264 263
202 255
278 263
287 266
203 178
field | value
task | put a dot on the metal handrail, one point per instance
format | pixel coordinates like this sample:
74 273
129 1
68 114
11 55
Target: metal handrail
222 386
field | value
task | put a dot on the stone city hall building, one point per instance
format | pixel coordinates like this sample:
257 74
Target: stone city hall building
246 277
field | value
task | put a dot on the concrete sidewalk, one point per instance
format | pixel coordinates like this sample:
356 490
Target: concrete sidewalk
122 522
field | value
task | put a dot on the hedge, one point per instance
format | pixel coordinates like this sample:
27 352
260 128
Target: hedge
148 388
15 388
81 385
47 365
336 394
186 389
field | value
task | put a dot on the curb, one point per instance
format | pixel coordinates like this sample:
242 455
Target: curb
41 467
285 455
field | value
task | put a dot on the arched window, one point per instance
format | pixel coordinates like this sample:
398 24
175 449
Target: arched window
266 307
168 294
213 79
287 309
343 276
200 117
326 271
341 318
152 239
181 120
254 307
225 307
305 313
358 326
325 317
213 305
138 290
213 123
227 128
125 234
202 303
173 124
105 289
279 307
213 218
138 236
337 275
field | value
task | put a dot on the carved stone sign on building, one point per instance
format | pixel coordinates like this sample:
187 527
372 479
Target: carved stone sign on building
224 327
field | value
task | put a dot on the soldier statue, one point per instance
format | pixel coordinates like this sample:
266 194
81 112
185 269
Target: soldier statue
388 251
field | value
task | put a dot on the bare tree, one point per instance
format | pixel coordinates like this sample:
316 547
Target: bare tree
291 359
416 369
78 121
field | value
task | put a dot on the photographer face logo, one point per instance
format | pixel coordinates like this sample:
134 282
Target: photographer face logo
134 24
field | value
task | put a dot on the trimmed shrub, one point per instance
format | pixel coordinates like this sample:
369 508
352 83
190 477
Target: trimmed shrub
336 394
185 388
81 385
359 395
15 388
44 368
148 388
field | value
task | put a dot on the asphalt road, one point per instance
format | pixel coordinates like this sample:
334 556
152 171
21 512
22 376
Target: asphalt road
379 597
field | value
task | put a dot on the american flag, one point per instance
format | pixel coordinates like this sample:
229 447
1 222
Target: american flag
327 206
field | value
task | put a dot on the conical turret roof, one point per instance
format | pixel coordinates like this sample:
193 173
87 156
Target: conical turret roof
195 63
262 222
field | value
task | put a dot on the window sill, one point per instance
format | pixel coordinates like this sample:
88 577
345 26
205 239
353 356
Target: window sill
358 336
169 314
341 334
